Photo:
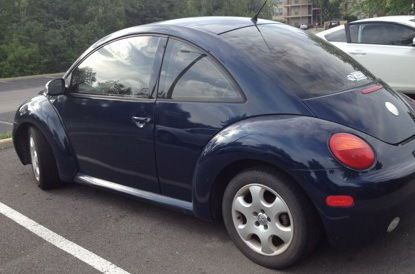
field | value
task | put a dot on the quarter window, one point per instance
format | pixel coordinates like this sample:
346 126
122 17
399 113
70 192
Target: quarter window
382 34
336 36
124 68
190 74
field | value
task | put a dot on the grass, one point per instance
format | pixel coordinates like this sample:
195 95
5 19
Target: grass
5 135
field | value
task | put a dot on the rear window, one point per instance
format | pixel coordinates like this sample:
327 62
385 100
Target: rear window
303 63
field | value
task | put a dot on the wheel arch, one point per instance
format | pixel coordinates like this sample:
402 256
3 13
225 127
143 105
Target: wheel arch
283 143
40 113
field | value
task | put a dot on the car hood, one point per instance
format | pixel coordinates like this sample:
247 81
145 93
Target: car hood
374 110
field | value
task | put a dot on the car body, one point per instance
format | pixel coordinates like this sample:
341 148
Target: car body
384 45
265 105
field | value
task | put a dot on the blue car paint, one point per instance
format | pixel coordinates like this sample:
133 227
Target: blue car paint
350 108
108 143
194 142
40 112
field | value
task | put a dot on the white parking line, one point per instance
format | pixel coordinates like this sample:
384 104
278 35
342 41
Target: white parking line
75 250
7 123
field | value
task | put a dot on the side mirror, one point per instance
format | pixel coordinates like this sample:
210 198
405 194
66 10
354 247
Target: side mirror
55 87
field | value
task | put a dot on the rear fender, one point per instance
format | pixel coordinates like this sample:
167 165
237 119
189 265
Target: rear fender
40 113
289 143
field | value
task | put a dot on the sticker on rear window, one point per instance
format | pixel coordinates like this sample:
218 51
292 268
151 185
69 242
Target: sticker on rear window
356 76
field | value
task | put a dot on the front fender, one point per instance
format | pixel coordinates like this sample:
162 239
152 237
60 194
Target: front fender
290 143
39 112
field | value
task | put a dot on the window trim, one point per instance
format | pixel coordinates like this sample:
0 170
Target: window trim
242 98
110 97
349 39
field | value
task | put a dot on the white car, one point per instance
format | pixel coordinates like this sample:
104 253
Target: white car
304 26
384 45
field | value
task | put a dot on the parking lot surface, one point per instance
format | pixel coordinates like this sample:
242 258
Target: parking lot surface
142 238
14 91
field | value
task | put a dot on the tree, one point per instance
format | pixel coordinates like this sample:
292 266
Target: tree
387 7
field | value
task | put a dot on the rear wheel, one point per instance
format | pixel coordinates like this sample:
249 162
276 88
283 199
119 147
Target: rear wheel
43 162
269 218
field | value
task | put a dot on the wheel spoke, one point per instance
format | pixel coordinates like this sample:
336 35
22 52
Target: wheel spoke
277 207
257 194
266 244
284 233
245 231
241 206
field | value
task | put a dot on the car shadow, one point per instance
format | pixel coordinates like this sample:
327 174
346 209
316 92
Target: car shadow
395 252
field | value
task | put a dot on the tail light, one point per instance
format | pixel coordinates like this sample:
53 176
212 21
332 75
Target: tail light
351 151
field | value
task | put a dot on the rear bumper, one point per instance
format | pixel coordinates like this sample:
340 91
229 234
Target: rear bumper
370 219
377 204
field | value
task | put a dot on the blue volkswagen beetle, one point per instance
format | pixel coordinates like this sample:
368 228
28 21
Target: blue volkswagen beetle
261 125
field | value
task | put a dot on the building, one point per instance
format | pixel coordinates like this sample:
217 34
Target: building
297 12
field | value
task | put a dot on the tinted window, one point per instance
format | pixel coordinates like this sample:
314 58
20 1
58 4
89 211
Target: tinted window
382 33
123 68
190 74
299 62
337 36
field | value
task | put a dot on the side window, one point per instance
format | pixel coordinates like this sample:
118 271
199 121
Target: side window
190 74
125 68
337 36
382 34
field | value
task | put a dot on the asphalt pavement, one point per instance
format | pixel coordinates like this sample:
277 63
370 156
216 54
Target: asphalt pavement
143 238
14 91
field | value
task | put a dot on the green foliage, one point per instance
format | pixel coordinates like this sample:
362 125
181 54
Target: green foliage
340 9
387 7
330 9
5 135
41 36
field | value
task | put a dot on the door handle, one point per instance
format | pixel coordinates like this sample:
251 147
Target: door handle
358 52
140 122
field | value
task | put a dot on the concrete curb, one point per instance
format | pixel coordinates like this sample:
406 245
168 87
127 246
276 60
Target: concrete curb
6 143
57 74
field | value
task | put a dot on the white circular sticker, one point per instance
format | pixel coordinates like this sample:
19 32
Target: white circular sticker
392 108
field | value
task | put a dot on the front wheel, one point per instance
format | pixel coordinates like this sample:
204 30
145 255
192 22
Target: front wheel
269 218
43 161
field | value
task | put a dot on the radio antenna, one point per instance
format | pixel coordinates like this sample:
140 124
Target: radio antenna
254 19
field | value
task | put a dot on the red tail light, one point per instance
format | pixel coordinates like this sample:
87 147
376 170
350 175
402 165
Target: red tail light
340 201
351 151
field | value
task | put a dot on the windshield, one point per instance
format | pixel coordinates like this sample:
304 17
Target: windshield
303 63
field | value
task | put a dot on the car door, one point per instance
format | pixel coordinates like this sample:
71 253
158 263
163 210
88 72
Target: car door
386 49
196 99
108 111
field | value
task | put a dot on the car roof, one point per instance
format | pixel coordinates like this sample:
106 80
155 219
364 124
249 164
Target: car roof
408 20
213 24
202 31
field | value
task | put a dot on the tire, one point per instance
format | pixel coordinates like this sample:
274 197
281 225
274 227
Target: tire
43 162
289 229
